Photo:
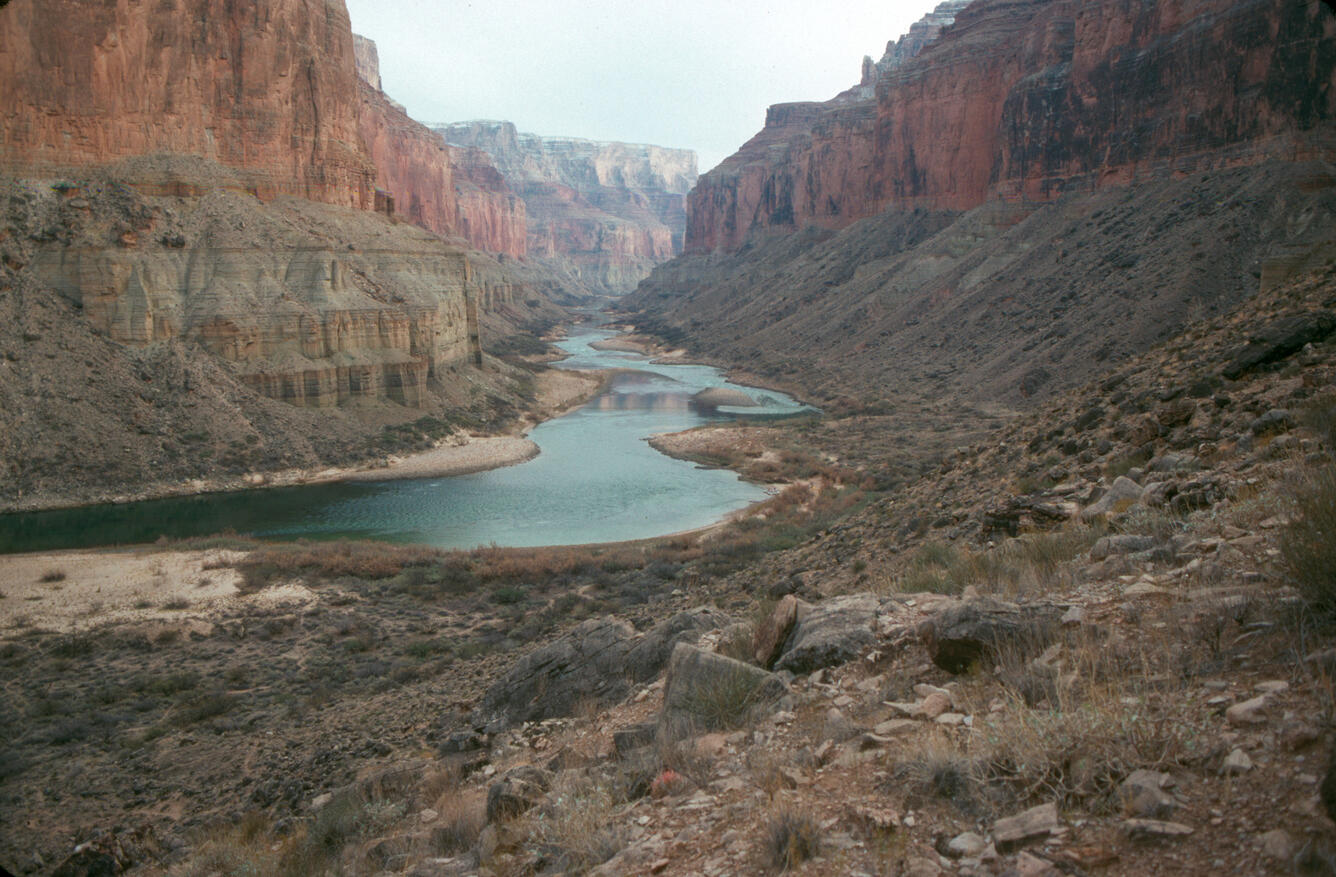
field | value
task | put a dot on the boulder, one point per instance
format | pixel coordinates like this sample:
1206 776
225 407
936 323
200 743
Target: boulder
770 635
516 791
588 663
969 631
1142 794
647 657
705 691
1278 340
1123 491
833 632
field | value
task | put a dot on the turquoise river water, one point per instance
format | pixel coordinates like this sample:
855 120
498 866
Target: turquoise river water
596 480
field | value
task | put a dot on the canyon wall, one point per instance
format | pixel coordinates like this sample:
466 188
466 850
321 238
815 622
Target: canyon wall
263 89
450 191
1029 99
606 213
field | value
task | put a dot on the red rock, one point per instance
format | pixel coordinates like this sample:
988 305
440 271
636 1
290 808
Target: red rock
1027 100
263 88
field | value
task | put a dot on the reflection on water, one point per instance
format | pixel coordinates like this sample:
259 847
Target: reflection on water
596 480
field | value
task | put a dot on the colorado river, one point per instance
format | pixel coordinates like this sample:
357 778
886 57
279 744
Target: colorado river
595 480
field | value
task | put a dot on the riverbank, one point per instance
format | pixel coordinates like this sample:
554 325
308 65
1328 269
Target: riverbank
556 392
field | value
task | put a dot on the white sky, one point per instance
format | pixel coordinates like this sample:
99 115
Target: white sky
696 74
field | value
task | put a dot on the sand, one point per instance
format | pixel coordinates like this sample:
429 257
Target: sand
162 588
478 455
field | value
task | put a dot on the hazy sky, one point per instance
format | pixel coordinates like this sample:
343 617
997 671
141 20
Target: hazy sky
690 73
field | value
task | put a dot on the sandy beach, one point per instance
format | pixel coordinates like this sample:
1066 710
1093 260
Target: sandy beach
477 455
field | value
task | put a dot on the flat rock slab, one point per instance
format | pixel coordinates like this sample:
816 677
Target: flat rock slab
1149 829
1033 824
832 633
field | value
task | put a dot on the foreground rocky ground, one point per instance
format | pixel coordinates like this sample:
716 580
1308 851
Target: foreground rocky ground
1089 642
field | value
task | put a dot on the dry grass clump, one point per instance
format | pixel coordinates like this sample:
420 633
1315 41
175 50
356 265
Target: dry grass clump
328 560
1308 544
727 700
1029 562
575 829
792 837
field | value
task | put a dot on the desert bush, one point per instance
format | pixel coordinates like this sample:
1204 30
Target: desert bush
53 575
1308 543
727 700
791 837
574 830
1320 416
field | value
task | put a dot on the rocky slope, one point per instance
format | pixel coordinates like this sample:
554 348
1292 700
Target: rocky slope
603 213
920 244
256 254
1026 101
1069 648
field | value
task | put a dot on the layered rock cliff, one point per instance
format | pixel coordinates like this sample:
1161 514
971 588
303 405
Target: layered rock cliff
604 212
448 190
1046 188
263 88
1029 99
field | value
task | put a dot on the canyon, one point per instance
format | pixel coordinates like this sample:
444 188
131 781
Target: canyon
975 218
603 214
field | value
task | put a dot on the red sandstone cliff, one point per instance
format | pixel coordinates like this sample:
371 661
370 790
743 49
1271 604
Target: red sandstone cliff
263 89
1031 98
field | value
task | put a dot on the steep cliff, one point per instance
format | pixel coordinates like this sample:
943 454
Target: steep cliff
263 88
453 192
1030 99
1046 188
604 213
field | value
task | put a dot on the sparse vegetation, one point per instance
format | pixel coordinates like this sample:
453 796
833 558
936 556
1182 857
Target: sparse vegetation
51 576
791 837
1308 544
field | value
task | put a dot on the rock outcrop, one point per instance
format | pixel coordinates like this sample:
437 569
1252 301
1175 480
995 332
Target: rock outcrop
265 90
1030 100
607 212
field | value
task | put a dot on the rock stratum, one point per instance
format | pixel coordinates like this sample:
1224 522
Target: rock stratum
603 213
1027 101
212 202
1042 190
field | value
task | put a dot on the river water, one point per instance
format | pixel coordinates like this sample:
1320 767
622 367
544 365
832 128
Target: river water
596 480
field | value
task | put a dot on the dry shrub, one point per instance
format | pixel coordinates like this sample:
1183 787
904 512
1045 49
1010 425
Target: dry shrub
576 828
329 560
1308 544
791 837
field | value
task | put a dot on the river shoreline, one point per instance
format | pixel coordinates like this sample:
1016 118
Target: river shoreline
559 391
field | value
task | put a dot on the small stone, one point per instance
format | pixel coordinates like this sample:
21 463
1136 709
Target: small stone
1249 712
1035 823
950 720
921 867
892 727
934 705
1030 865
967 844
1142 795
1277 844
1274 686
1147 829
1073 617
1237 762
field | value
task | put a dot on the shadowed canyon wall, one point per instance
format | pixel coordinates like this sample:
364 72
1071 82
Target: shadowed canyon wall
1030 99
604 212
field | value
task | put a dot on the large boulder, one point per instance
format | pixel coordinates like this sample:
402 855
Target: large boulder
833 632
588 663
705 691
967 632
1278 340
647 657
